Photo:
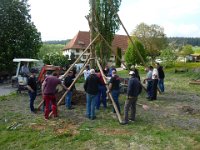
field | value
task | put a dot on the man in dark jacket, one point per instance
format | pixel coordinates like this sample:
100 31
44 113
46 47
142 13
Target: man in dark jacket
161 76
67 82
91 87
114 88
32 89
134 89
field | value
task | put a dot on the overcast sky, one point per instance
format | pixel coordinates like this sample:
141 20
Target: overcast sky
62 19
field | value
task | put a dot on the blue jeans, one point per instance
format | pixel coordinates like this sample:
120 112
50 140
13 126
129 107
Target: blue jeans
115 95
161 85
32 96
68 99
90 105
101 96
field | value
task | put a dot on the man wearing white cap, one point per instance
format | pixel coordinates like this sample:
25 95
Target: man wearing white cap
91 87
134 89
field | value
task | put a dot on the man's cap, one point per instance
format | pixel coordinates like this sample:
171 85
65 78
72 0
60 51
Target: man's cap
131 72
92 71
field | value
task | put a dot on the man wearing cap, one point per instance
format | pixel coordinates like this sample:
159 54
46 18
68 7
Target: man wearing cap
134 89
114 88
91 87
32 89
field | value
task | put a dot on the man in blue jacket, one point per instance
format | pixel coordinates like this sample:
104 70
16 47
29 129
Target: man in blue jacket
134 89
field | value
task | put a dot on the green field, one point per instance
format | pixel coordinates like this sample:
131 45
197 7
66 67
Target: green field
171 123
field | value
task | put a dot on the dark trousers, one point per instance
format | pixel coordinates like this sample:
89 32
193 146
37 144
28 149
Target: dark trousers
32 96
130 103
149 88
115 95
154 89
101 96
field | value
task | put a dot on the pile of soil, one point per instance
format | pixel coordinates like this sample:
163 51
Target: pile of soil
78 97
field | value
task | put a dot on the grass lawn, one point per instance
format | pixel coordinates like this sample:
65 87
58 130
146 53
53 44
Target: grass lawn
171 123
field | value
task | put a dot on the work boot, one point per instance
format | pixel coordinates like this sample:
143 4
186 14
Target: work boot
123 123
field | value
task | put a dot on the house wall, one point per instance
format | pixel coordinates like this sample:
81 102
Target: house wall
78 52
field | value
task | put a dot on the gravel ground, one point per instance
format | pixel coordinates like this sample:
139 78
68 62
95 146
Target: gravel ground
6 89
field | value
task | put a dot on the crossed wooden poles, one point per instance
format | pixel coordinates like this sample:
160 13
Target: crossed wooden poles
100 68
80 73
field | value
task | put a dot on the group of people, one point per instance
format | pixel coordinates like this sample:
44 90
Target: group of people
96 90
155 80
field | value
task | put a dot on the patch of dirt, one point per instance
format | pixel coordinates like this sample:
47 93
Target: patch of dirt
189 110
113 131
38 127
69 129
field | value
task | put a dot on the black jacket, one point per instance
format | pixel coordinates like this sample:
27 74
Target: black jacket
91 84
134 87
68 81
161 73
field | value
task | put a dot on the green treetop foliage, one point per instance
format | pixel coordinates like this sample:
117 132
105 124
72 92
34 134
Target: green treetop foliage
152 37
18 35
50 48
56 59
168 57
186 50
131 55
106 22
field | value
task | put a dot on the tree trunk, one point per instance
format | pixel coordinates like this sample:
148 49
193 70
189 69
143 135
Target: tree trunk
92 33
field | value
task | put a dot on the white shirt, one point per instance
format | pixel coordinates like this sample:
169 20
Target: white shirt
155 74
86 73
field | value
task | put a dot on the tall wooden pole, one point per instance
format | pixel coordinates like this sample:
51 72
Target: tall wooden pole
92 31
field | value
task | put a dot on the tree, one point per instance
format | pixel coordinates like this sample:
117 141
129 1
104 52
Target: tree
56 58
152 37
186 50
168 56
131 56
72 58
49 48
105 21
18 35
119 54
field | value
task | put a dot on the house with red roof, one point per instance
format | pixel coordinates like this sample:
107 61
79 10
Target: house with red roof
80 42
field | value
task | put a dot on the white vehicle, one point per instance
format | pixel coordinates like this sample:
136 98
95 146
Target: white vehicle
19 80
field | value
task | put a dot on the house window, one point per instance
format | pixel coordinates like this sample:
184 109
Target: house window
77 50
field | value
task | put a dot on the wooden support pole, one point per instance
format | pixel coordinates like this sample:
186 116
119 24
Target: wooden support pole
113 102
77 77
39 106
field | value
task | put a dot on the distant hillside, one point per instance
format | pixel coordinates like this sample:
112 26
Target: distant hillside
178 40
185 40
63 42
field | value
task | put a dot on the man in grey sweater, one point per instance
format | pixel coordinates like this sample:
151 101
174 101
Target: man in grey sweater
134 89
